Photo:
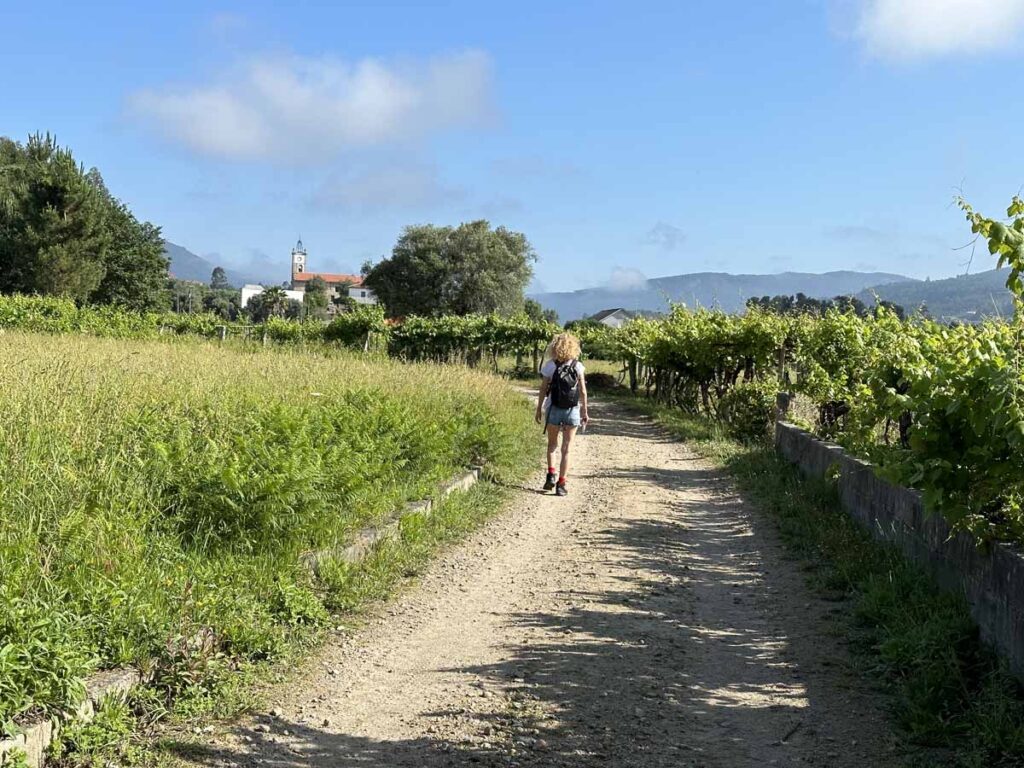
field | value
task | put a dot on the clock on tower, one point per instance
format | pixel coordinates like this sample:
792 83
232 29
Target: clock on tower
298 259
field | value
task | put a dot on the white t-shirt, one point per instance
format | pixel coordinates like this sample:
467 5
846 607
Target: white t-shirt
548 371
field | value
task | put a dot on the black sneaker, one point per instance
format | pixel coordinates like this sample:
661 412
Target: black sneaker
549 483
560 490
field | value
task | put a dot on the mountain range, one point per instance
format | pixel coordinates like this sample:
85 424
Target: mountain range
186 265
965 297
711 289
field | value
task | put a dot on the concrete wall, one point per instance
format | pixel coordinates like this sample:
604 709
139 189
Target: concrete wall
990 577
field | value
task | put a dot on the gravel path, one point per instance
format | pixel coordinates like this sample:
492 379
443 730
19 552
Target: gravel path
648 619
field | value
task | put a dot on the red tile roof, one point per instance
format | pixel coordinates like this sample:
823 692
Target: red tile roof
329 278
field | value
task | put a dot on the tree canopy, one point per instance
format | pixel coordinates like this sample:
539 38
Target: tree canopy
315 299
63 233
436 270
219 279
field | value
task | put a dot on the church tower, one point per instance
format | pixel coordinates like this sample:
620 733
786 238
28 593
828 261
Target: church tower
298 260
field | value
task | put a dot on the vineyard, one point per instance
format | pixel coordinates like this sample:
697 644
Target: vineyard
936 407
473 339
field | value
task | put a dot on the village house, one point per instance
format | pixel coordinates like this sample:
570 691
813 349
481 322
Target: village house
339 286
614 318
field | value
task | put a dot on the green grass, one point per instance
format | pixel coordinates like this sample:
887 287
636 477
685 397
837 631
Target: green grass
948 691
156 497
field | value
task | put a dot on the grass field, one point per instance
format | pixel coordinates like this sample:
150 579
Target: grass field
156 497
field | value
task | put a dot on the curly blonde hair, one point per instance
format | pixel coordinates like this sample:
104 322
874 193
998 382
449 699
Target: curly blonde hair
564 347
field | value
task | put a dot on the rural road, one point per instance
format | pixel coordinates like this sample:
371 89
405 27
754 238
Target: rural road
650 618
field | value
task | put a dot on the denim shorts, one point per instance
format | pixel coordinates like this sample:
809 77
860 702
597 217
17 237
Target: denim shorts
564 417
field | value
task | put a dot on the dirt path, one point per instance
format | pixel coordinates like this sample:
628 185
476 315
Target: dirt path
648 619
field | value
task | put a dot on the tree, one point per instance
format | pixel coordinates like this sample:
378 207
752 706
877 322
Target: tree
444 270
314 299
270 303
136 268
223 303
53 238
536 312
219 279
63 233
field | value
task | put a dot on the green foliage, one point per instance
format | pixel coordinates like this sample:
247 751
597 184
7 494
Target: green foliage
157 497
748 410
453 270
106 740
219 279
938 408
44 653
62 233
314 299
466 338
1005 239
16 758
270 303
538 314
596 339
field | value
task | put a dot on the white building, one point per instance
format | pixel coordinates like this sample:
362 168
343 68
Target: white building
614 318
248 291
338 285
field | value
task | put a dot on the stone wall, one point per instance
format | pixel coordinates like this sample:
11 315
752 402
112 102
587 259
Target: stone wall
990 577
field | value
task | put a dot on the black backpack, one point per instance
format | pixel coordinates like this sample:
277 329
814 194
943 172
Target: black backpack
565 385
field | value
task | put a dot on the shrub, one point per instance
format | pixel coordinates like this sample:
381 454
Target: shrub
748 410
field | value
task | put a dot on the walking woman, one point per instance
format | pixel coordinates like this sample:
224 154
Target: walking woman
561 404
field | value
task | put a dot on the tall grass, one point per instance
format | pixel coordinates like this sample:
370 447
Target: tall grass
155 498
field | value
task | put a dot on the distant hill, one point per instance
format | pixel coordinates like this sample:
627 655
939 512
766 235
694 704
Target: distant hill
967 297
711 289
186 265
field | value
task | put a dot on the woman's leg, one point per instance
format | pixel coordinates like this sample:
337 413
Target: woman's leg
552 443
567 435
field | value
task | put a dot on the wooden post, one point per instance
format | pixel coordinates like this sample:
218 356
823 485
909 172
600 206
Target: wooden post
222 332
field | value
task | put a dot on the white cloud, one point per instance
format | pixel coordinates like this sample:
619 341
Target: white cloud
627 279
408 186
299 109
907 29
665 236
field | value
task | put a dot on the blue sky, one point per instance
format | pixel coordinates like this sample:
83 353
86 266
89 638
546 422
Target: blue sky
625 140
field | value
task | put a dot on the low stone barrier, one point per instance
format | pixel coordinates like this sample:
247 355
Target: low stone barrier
34 739
991 577
366 539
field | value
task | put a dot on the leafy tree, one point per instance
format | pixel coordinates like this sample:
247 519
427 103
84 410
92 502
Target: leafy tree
269 303
471 268
537 313
219 279
63 233
315 300
136 268
223 303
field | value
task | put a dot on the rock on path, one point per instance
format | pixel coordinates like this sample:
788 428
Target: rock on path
648 619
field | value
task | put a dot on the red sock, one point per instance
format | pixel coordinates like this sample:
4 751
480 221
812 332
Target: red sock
561 479
551 470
